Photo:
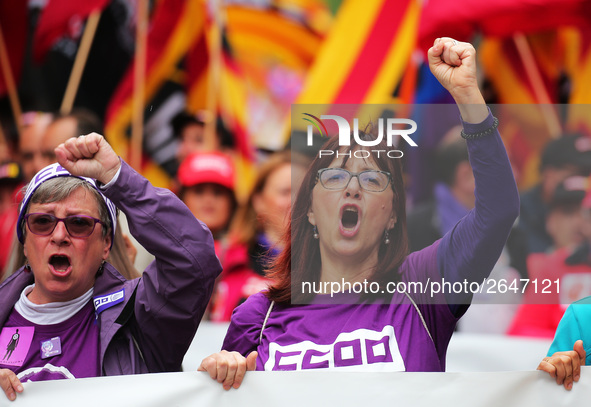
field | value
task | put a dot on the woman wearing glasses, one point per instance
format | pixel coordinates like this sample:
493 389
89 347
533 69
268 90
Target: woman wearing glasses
348 226
75 315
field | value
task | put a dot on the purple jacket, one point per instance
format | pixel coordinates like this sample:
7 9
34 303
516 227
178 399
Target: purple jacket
152 328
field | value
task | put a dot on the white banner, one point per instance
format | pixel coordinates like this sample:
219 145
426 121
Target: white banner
467 352
313 388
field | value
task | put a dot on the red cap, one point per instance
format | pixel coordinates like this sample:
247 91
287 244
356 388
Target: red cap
207 168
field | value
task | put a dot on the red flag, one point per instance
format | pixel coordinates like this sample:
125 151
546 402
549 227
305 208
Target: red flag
62 18
13 20
461 19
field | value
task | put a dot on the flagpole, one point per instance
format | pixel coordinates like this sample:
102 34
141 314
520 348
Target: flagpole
10 85
80 62
531 68
137 127
215 66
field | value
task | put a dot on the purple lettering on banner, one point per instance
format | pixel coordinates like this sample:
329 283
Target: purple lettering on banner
307 361
378 351
348 353
279 355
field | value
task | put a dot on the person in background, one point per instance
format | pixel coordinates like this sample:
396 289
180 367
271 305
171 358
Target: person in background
565 215
453 193
565 272
64 126
207 181
6 150
561 158
190 131
261 222
207 187
29 144
67 223
453 199
30 157
10 184
255 236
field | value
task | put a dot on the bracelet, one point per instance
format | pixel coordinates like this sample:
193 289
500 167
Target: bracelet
482 133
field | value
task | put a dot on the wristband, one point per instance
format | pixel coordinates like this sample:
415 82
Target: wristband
482 133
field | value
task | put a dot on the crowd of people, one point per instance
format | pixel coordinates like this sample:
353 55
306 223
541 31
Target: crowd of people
334 219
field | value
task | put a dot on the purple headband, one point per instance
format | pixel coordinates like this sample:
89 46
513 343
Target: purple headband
53 171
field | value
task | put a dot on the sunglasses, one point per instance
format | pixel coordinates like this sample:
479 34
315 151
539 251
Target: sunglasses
43 224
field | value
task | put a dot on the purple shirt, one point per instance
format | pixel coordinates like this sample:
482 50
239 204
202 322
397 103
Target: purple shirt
395 335
74 354
367 336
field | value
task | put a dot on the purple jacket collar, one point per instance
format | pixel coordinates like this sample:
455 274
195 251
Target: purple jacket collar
108 282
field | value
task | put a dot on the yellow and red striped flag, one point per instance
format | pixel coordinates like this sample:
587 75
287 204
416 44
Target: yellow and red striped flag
525 70
175 25
365 54
578 68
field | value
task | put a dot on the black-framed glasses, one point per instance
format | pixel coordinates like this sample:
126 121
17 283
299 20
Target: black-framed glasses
339 178
43 224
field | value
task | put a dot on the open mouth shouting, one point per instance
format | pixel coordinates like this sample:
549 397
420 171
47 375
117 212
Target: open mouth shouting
60 265
350 216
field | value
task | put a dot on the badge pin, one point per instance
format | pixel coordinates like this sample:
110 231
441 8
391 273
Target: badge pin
51 347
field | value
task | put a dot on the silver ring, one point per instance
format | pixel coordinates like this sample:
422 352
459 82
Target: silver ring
455 42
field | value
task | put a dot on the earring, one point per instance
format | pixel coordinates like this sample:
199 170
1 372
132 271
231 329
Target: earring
101 268
27 266
386 237
315 230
